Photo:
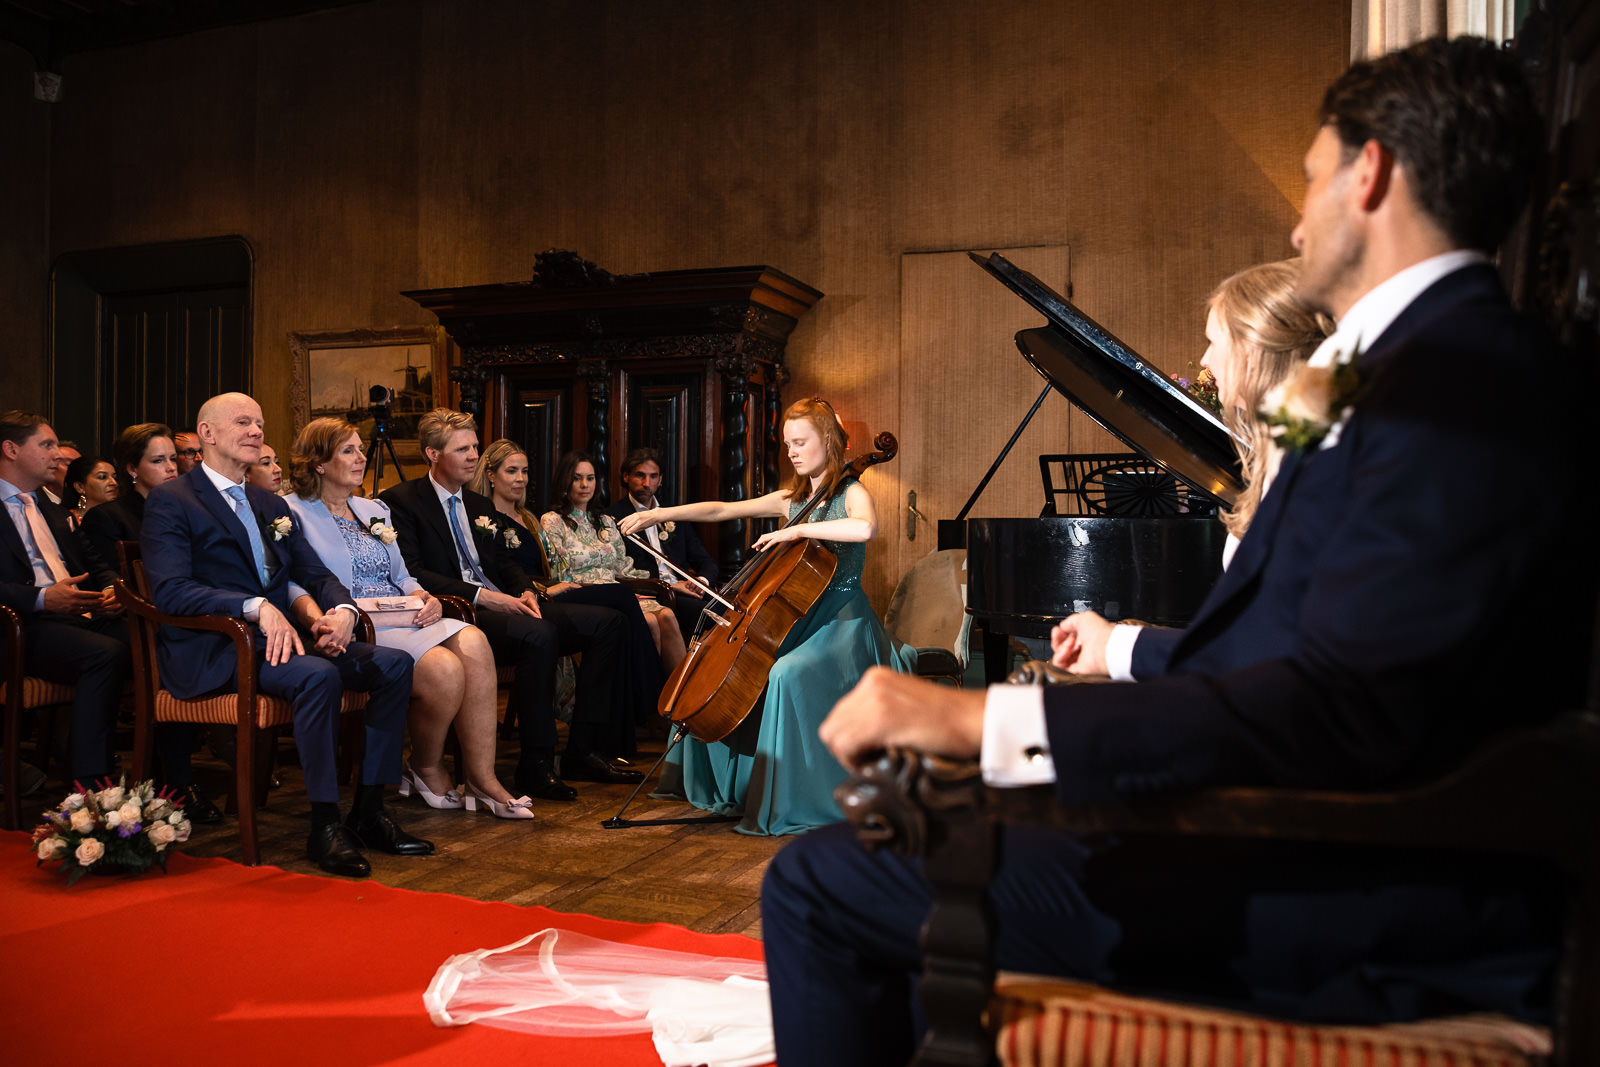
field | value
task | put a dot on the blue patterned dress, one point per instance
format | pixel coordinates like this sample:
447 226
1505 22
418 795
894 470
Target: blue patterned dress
773 770
369 568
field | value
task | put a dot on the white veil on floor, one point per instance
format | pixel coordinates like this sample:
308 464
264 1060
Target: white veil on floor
698 1009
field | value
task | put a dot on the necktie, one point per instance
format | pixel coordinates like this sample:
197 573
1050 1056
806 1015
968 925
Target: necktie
43 539
468 563
241 508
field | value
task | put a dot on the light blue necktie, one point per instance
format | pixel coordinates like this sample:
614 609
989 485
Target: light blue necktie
467 559
241 508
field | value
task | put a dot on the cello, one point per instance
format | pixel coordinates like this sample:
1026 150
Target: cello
717 685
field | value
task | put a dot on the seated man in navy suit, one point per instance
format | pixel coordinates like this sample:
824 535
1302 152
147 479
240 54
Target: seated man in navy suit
641 476
1376 624
72 627
213 545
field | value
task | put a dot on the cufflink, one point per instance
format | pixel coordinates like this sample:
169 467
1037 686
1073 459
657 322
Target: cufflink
1036 755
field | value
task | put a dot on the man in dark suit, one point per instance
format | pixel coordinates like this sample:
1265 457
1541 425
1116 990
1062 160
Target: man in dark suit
453 542
71 623
1375 625
213 545
641 476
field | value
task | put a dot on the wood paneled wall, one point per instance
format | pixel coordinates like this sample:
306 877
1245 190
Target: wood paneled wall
407 144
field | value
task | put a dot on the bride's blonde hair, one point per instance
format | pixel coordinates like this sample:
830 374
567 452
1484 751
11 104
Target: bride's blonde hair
1270 333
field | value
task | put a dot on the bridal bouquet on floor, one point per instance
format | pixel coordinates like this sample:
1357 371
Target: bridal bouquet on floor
114 828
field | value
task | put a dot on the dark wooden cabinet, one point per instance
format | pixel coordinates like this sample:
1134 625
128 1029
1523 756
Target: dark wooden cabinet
689 362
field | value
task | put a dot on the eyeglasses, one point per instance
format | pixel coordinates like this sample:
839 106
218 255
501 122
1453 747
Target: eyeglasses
188 453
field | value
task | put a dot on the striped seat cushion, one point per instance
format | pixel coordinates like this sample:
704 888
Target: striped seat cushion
1050 1023
224 708
38 693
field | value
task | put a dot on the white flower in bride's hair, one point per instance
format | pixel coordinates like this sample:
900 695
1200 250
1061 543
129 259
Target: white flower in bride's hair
382 530
280 527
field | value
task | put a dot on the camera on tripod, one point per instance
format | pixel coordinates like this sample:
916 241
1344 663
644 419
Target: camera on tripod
379 399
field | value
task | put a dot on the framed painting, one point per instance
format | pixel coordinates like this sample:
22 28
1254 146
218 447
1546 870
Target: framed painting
382 381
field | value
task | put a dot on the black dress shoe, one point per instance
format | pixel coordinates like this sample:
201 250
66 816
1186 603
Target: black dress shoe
335 849
540 781
382 832
592 768
200 810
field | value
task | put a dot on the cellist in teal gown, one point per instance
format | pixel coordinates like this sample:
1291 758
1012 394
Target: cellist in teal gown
772 771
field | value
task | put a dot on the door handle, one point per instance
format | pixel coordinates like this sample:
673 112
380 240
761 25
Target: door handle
912 515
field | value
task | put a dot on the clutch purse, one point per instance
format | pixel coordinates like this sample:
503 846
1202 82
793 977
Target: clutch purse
390 610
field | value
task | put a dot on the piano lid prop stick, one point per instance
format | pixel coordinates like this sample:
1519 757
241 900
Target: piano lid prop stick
686 576
1004 452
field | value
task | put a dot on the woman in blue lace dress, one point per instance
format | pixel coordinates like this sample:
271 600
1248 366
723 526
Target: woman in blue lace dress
454 678
772 770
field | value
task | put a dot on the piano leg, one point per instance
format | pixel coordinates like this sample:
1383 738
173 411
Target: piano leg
996 656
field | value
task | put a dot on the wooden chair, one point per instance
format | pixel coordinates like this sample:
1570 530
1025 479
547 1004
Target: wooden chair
1527 795
20 693
256 716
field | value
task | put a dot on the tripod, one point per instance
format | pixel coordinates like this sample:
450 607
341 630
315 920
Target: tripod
376 445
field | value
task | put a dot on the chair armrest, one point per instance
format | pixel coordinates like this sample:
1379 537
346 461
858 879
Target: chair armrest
364 630
241 633
11 634
455 607
653 587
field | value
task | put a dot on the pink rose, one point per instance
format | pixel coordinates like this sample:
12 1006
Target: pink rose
89 851
83 820
161 835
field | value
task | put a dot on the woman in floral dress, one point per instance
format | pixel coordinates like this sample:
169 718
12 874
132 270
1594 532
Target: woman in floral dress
589 549
454 680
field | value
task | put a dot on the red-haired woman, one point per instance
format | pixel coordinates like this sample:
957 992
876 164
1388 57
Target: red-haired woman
783 782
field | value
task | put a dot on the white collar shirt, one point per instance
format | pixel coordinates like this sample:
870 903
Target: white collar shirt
15 508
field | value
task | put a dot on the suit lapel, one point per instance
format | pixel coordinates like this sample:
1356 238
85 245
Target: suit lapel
221 509
13 541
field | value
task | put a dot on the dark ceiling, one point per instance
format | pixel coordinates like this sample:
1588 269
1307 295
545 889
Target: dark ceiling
50 29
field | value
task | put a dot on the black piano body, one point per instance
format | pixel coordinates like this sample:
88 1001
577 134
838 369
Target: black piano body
1155 564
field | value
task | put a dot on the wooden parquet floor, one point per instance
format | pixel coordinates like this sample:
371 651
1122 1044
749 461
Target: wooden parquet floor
705 877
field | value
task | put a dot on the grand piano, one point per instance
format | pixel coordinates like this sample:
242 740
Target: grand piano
1132 537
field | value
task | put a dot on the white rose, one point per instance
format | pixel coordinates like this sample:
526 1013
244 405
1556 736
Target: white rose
89 851
161 835
114 818
111 797
175 818
129 811
1306 396
73 802
157 810
83 820
182 829
49 847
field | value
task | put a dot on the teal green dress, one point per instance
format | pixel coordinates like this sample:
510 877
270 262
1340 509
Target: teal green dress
772 770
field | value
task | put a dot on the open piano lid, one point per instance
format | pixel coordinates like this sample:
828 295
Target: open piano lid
1120 389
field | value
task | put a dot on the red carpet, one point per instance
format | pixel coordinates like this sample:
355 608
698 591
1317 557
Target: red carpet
216 962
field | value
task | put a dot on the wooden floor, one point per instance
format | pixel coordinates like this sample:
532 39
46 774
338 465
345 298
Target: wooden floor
704 877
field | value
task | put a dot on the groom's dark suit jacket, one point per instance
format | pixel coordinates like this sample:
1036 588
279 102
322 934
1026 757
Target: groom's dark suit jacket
197 557
1398 597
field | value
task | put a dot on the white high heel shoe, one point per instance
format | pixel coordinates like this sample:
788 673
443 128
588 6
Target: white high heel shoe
410 779
520 808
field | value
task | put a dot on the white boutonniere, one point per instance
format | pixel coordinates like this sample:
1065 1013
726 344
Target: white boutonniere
485 527
512 540
1306 410
381 530
280 527
666 530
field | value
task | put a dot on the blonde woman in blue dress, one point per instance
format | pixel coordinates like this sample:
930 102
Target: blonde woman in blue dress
773 771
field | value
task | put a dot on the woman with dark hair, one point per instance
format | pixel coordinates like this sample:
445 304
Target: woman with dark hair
773 770
91 481
266 472
454 680
144 458
587 549
502 476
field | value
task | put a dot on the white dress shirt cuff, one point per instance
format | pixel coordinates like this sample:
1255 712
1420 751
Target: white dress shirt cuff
251 612
1119 652
1016 745
351 608
38 601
